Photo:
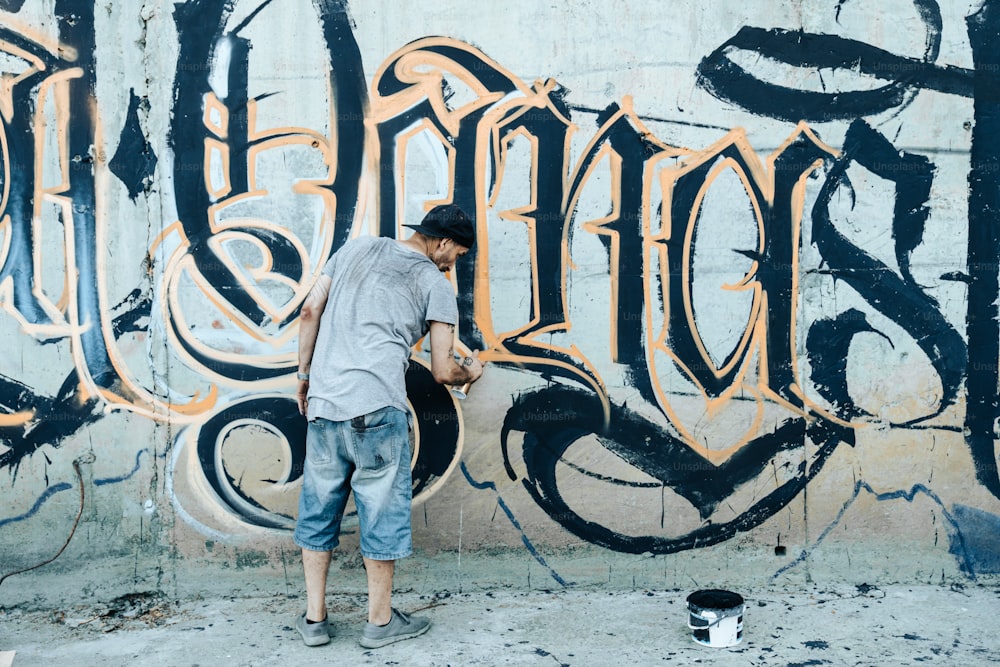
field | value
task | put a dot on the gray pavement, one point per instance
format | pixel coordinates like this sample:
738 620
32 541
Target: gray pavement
861 625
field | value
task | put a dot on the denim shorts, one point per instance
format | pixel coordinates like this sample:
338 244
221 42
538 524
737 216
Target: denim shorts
371 456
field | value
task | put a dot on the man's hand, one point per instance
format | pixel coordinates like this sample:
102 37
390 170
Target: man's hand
474 366
300 396
446 368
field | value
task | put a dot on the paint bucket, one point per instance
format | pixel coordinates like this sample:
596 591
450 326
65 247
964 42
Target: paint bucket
716 617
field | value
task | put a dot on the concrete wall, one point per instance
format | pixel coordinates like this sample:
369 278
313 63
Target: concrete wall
737 279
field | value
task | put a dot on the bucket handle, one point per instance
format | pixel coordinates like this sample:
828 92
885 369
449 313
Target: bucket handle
728 613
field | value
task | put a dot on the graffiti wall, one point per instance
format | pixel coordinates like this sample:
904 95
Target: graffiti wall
736 276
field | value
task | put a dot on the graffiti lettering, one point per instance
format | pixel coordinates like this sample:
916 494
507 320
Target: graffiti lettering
649 299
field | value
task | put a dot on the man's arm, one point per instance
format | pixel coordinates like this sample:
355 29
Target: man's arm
309 317
445 368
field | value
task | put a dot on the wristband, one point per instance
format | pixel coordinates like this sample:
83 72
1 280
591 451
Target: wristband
302 376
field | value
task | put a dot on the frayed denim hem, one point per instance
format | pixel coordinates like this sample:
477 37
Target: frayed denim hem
401 554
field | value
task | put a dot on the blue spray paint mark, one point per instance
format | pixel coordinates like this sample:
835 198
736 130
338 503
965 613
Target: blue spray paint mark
958 546
510 515
980 533
122 478
49 492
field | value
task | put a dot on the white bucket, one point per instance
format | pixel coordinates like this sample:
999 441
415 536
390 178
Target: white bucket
716 617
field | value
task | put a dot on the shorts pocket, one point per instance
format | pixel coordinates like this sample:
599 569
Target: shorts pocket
376 447
319 442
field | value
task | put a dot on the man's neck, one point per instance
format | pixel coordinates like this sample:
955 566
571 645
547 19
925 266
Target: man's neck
419 243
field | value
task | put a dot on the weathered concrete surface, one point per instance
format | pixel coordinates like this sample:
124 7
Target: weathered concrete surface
837 626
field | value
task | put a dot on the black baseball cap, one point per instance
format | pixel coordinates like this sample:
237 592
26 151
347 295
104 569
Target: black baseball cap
447 221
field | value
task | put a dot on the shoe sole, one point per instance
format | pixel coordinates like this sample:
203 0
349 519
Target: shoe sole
315 641
385 641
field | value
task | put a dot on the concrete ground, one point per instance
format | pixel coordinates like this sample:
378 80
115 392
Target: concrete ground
862 625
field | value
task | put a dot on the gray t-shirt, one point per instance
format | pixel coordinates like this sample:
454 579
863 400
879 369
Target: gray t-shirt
382 297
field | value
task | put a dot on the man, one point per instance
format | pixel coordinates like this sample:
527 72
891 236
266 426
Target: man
374 300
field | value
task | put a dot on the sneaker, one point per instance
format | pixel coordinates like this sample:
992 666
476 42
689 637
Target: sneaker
400 626
313 634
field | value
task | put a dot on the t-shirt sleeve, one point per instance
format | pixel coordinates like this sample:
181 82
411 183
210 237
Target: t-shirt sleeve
441 304
329 266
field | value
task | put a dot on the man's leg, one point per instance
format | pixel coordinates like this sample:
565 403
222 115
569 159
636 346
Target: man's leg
382 493
380 574
316 564
321 508
386 625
